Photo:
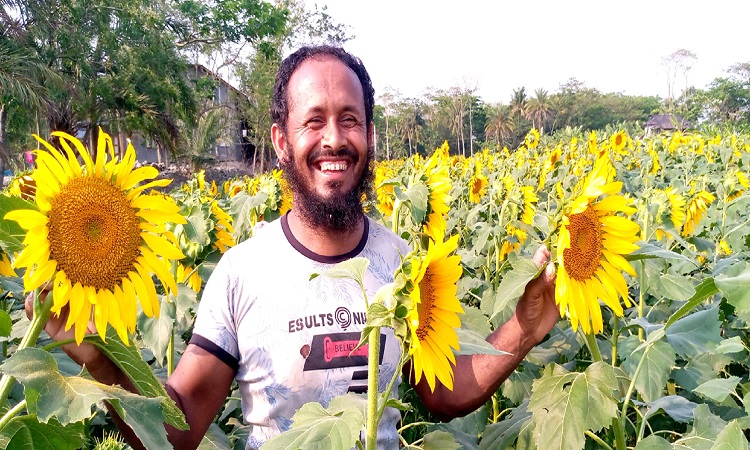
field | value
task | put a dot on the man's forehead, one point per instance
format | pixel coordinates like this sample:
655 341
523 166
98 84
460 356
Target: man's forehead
320 71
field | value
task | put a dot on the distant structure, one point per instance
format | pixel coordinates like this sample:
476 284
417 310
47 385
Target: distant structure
232 146
665 122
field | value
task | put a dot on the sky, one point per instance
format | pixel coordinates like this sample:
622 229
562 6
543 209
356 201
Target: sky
496 46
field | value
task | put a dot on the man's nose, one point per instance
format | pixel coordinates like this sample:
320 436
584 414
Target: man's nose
333 136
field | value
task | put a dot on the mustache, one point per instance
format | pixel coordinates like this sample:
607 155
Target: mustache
330 153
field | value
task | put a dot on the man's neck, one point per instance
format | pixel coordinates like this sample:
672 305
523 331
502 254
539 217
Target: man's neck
325 242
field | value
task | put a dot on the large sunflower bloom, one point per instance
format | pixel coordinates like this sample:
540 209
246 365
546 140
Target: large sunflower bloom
529 198
384 192
590 246
477 187
96 237
433 318
695 211
439 186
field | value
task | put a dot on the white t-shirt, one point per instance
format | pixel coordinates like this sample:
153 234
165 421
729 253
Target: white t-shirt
288 337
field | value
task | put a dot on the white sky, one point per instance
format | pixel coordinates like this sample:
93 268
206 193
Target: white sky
497 46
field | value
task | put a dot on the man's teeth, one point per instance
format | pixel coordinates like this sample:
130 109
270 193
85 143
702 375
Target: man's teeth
333 166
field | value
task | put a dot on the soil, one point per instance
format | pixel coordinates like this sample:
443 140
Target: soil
218 172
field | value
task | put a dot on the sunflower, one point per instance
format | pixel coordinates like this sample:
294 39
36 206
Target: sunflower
222 233
675 205
439 185
384 192
529 198
618 141
96 237
24 187
532 138
433 317
695 211
512 242
477 186
189 276
6 267
590 246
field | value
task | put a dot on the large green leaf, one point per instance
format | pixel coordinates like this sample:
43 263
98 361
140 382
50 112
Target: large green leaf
353 269
677 407
316 428
128 358
655 369
11 234
706 428
518 386
26 432
157 331
6 324
565 405
736 289
70 399
472 342
241 209
646 251
502 434
214 439
464 430
718 389
731 438
704 290
653 442
673 287
474 319
198 226
441 440
418 194
513 284
697 333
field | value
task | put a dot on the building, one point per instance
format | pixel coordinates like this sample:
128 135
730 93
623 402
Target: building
665 122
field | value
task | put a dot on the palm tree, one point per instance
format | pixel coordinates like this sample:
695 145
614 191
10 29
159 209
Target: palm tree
539 109
500 123
518 102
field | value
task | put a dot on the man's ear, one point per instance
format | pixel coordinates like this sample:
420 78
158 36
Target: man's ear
278 137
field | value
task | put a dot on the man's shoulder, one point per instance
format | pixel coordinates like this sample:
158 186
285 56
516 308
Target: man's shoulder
382 236
266 236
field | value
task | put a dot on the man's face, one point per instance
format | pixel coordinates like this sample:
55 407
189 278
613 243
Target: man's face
325 150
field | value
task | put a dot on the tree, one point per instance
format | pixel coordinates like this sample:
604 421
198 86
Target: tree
679 61
500 123
538 109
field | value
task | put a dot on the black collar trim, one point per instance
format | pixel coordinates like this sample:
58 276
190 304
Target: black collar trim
320 258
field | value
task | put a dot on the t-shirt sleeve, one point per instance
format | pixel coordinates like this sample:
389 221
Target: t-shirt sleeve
215 328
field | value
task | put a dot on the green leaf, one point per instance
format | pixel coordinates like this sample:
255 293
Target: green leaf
565 405
705 289
440 440
655 370
731 438
465 430
677 407
731 345
185 300
647 251
653 442
517 386
418 195
241 209
697 371
26 432
70 399
706 429
198 227
513 284
353 269
673 287
718 389
11 234
474 319
736 289
157 331
215 439
504 433
128 358
6 324
697 333
316 428
472 343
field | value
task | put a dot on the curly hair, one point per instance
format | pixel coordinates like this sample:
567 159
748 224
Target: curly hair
280 105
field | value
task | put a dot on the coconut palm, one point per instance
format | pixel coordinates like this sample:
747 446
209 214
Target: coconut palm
500 123
538 109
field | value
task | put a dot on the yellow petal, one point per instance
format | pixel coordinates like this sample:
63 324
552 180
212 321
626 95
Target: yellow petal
163 182
155 216
82 322
158 267
77 299
42 274
79 146
161 246
60 292
138 175
101 314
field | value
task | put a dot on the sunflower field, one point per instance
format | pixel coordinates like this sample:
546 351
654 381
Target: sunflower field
649 236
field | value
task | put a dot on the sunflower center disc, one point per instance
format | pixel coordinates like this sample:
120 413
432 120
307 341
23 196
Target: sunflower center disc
94 233
582 258
424 309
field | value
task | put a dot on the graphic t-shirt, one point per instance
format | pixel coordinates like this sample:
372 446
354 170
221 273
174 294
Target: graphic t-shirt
291 338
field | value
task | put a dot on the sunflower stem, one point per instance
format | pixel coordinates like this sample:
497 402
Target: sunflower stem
394 215
371 437
13 412
593 346
170 353
41 314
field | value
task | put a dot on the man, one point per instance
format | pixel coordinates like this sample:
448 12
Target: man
281 335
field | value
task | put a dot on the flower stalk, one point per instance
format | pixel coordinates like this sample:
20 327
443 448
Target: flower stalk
371 436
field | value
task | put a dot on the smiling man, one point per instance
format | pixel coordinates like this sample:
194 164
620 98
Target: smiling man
287 339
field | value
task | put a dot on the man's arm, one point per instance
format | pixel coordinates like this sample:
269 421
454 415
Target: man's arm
199 384
477 377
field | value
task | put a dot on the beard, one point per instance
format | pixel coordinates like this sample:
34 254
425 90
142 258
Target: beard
339 213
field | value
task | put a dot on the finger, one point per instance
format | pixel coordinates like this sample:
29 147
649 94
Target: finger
541 255
549 273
